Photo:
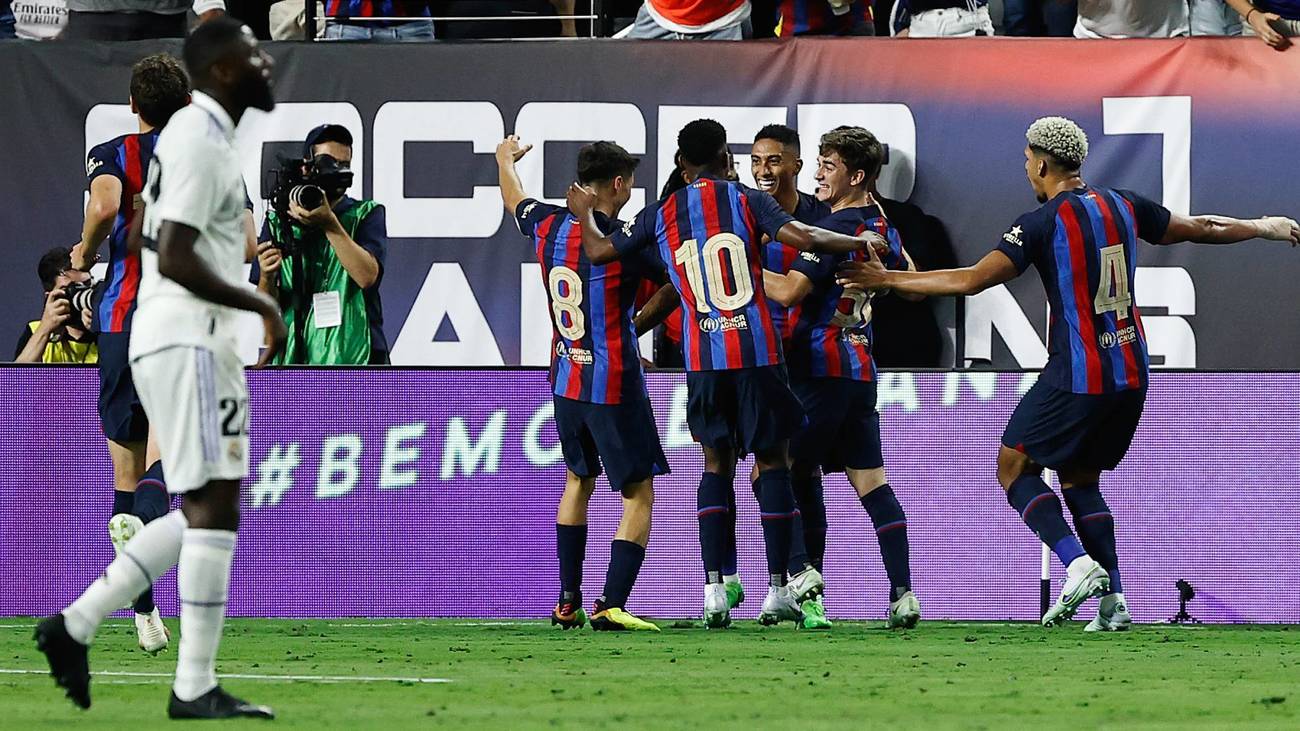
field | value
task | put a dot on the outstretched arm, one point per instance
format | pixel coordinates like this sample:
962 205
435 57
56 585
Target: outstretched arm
995 268
1225 230
508 153
786 290
803 237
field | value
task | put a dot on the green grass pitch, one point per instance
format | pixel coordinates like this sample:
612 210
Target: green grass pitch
530 675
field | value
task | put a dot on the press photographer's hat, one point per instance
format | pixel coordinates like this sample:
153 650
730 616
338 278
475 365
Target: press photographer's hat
326 133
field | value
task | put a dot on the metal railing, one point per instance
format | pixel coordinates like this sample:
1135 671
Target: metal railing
600 24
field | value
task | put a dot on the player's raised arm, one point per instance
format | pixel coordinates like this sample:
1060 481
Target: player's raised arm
803 237
1225 230
598 247
509 152
788 289
995 268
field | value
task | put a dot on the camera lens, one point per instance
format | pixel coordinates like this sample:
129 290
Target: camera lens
309 197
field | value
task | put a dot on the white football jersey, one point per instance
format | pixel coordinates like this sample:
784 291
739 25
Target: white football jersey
194 180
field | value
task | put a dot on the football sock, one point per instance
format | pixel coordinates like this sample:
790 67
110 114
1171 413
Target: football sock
625 558
151 502
798 560
891 531
202 580
712 509
1041 510
570 549
776 503
1096 527
729 557
148 556
123 501
812 514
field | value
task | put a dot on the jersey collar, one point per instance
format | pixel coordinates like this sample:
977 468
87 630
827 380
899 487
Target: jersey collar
212 107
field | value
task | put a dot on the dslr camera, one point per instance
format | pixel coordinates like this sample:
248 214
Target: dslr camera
309 184
80 295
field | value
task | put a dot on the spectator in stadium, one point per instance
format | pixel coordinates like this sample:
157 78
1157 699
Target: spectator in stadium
325 265
36 20
824 17
509 19
60 336
1131 19
353 20
693 20
941 19
135 20
1274 21
1039 17
1213 18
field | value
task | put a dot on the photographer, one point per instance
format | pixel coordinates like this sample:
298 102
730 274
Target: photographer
58 337
322 256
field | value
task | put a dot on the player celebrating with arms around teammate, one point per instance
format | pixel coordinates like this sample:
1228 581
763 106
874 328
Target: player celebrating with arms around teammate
1080 417
739 400
834 376
189 375
602 410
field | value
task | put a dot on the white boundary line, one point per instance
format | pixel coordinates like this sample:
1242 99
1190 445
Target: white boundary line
248 676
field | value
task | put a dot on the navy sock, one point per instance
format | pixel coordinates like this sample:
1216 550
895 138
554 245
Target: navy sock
1041 510
570 548
776 503
1096 528
891 531
712 509
150 503
809 497
798 560
729 557
625 558
123 502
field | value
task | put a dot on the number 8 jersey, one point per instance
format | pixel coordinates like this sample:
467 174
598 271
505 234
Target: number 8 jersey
709 235
594 354
1084 244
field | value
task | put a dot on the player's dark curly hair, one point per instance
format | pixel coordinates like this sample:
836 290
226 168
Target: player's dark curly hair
703 143
779 133
858 148
159 88
603 161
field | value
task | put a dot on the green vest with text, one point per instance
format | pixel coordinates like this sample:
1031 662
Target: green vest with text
314 269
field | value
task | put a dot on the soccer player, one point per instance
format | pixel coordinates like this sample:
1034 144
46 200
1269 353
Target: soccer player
1080 417
738 397
834 376
602 410
189 376
115 172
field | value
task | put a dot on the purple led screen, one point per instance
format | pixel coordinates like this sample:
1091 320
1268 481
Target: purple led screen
432 493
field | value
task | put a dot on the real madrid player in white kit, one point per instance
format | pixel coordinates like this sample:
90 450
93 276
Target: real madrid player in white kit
189 376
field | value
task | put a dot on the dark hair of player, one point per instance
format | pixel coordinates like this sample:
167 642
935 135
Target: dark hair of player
159 88
703 143
1056 162
858 148
209 44
675 182
780 133
601 162
55 262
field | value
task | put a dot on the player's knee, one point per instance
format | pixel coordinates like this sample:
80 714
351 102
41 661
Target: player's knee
721 462
776 458
867 481
1073 478
640 494
1012 465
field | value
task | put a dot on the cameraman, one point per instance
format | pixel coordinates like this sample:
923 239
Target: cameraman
324 265
58 337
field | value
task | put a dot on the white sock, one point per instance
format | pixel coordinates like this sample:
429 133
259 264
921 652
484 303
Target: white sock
202 578
1080 565
731 578
149 555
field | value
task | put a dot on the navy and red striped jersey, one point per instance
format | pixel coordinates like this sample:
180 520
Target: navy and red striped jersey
709 236
127 159
814 17
594 354
377 8
777 257
832 336
1084 245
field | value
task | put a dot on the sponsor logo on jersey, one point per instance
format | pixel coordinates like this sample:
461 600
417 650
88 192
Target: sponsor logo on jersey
627 229
1013 236
724 324
581 356
1123 337
810 257
856 338
92 165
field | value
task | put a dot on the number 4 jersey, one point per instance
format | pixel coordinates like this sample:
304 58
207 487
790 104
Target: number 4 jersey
1084 245
594 354
709 235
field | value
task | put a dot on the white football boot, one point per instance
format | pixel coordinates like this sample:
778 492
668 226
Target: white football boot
780 605
717 613
804 585
1112 615
905 612
1084 578
121 529
151 632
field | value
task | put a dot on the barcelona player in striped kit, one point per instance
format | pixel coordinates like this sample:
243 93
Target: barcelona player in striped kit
739 401
1081 415
834 376
602 410
115 172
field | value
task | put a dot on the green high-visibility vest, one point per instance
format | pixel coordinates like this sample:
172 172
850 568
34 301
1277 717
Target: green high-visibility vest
345 344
